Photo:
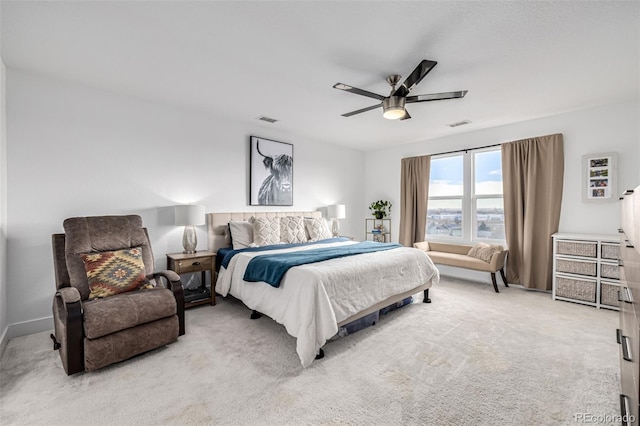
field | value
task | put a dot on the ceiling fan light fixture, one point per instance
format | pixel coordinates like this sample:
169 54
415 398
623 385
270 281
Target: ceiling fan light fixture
393 107
393 113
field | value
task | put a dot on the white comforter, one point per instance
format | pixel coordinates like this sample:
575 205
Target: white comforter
312 299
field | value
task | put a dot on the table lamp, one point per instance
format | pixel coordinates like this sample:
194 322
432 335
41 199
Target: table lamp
189 215
335 212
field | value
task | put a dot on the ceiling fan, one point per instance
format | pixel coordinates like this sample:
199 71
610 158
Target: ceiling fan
393 106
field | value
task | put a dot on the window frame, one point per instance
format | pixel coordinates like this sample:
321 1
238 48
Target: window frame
469 201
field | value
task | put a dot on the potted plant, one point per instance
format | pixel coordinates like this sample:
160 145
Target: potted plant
380 209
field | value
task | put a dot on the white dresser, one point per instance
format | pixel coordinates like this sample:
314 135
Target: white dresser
585 269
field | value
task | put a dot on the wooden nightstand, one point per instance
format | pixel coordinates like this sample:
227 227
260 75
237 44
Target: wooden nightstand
201 261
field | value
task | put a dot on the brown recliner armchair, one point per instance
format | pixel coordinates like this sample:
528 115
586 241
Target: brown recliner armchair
97 320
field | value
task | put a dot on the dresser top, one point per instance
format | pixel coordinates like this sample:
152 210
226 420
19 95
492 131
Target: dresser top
591 237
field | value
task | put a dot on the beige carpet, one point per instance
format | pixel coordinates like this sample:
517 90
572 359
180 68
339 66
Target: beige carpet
472 357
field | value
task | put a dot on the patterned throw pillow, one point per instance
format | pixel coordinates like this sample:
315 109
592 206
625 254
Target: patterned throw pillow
318 229
113 272
484 251
292 230
265 231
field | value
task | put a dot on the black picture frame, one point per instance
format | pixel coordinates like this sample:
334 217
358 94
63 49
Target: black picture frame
270 172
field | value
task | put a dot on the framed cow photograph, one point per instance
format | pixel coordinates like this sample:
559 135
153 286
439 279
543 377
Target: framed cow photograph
271 173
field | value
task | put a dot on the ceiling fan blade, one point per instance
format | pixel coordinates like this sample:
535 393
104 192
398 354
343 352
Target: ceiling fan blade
436 96
347 88
349 114
406 115
415 77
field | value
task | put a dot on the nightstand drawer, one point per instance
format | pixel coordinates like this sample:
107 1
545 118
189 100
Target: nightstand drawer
195 264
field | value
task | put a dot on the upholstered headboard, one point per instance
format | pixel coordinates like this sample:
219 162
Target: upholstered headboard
217 224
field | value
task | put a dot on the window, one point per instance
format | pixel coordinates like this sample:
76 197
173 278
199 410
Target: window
446 193
487 201
465 197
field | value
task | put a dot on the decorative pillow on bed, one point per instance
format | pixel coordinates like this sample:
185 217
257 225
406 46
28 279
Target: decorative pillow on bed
292 230
227 236
484 251
318 229
113 272
241 234
266 231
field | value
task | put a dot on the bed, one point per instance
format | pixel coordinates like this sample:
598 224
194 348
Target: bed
314 300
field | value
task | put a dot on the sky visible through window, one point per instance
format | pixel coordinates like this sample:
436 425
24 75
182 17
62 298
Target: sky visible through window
447 174
445 215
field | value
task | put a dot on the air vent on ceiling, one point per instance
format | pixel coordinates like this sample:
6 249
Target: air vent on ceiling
267 119
460 123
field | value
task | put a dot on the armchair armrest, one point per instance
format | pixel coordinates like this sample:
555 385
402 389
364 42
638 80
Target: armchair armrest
175 285
69 333
68 295
171 276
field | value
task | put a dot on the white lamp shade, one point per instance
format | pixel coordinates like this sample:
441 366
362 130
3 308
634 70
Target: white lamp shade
189 214
336 211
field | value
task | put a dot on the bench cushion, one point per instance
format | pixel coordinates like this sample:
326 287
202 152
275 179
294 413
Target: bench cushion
449 248
459 260
457 255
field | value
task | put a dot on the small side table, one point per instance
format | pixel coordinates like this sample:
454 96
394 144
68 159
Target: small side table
201 261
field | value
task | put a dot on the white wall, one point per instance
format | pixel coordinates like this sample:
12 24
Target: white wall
73 150
610 128
77 151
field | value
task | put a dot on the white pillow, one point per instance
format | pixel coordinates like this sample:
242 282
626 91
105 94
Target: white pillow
241 234
265 231
318 229
292 230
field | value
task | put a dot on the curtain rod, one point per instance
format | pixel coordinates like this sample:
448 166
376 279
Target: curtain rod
467 149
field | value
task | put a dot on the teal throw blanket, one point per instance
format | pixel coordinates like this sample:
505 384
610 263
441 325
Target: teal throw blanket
270 268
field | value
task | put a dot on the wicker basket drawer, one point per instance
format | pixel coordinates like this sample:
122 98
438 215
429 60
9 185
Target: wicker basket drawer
608 270
609 294
610 251
576 267
578 248
576 289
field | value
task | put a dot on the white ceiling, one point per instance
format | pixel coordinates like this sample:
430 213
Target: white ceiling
244 59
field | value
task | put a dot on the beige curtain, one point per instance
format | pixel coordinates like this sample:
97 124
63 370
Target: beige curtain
414 194
532 173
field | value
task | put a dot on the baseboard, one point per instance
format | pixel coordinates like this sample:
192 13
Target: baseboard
479 277
23 328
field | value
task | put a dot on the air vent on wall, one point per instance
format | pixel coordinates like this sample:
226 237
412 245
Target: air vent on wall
460 123
267 119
